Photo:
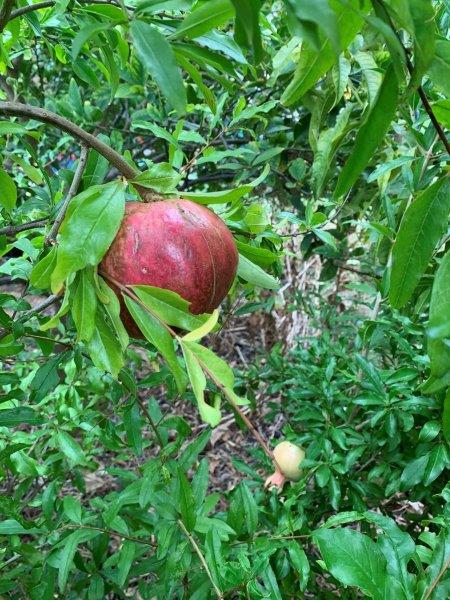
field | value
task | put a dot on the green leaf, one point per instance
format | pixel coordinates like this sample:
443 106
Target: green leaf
69 447
133 426
126 557
8 191
422 17
371 74
157 56
317 16
89 227
252 273
246 29
13 527
219 197
159 336
353 558
67 555
169 307
209 414
300 561
441 109
200 332
46 377
446 417
313 64
10 417
40 276
204 17
186 501
87 32
84 306
10 128
72 508
160 177
111 306
370 133
104 348
437 462
439 70
423 223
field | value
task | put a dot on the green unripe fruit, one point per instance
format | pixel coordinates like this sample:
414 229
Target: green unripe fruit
288 457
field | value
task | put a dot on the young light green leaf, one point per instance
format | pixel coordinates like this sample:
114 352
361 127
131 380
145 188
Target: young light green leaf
84 306
8 191
207 327
90 225
209 414
169 307
87 32
371 133
252 273
158 59
156 333
160 177
205 17
423 223
371 74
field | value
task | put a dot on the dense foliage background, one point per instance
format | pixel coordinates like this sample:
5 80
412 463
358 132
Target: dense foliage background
317 131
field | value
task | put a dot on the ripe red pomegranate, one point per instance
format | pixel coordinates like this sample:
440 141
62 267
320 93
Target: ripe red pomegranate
177 245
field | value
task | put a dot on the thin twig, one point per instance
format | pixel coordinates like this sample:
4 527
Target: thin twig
201 557
5 13
49 3
26 316
39 114
109 532
152 423
420 90
13 229
50 239
437 579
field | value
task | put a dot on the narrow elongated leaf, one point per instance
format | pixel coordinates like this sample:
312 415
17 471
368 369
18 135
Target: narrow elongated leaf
71 543
10 417
112 308
246 30
90 225
438 349
46 377
207 327
371 133
85 34
422 17
371 74
104 348
84 306
254 274
157 334
186 501
158 59
8 191
439 69
205 17
127 553
353 558
169 307
313 64
422 225
40 276
209 414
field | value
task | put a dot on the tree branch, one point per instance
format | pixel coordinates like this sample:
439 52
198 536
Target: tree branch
13 229
30 313
51 237
49 3
427 106
32 112
5 13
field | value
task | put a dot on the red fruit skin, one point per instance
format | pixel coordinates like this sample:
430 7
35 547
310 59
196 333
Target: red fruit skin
177 245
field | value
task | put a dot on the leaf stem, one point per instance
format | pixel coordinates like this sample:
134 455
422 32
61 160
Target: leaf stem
51 237
201 557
